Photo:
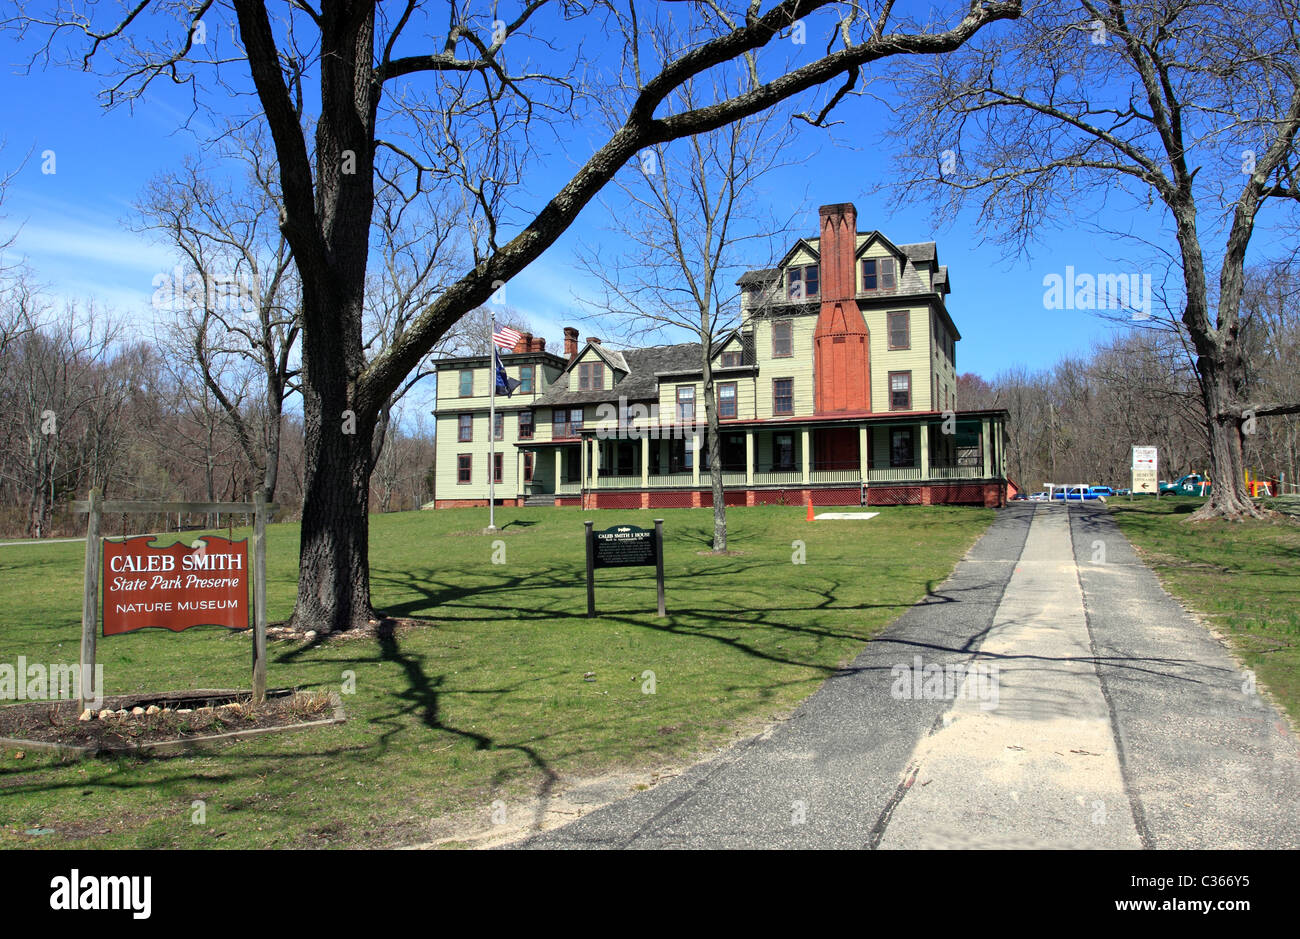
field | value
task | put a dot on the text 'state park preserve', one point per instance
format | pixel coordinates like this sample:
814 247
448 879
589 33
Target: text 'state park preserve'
740 424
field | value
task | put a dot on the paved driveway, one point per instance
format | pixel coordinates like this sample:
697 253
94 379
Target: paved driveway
1048 694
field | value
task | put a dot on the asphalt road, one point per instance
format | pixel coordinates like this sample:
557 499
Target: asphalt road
1048 694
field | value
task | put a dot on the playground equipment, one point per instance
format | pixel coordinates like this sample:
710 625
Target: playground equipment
1258 487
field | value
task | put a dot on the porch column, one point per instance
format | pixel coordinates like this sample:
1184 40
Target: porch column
593 463
559 468
807 454
749 457
988 450
925 450
694 441
645 463
864 451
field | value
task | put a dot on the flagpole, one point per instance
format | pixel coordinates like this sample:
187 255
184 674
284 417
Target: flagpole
492 424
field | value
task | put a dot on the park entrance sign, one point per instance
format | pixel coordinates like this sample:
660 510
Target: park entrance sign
624 546
175 587
1145 472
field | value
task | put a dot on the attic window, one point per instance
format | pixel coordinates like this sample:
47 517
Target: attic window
803 282
591 376
878 274
730 359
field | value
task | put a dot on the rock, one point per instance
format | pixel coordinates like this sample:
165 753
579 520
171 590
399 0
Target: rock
309 635
137 711
166 710
206 709
86 715
185 710
120 712
105 714
153 709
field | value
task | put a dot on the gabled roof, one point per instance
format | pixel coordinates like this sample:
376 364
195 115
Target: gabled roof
872 238
803 243
639 384
759 277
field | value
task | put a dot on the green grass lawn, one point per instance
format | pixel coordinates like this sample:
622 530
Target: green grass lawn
487 701
1244 577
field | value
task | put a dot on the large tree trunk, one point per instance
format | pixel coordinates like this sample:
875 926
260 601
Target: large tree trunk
334 546
1229 497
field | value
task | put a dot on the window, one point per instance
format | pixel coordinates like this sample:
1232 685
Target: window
525 425
878 274
565 423
900 330
499 426
465 428
727 399
526 379
900 449
782 339
783 396
528 466
463 463
730 359
900 391
783 452
803 282
467 383
591 376
497 463
685 403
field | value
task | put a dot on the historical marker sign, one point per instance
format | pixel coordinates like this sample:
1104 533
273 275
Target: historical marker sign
176 587
624 546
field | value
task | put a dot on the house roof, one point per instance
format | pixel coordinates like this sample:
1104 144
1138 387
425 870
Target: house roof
639 384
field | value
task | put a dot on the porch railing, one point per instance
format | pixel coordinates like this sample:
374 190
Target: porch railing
835 476
956 472
894 474
784 477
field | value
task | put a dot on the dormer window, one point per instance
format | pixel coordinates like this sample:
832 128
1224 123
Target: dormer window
591 376
803 282
878 274
730 359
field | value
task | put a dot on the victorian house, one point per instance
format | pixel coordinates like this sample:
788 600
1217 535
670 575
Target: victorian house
838 385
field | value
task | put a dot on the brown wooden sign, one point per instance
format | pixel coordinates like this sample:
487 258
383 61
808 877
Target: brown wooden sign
176 587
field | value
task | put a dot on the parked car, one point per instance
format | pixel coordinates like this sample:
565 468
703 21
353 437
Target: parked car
1020 497
1075 493
1038 496
1101 490
1193 484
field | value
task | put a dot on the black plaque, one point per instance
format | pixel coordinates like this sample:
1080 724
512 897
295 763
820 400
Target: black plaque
624 546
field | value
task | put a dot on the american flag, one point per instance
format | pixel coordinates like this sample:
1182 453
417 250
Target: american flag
506 337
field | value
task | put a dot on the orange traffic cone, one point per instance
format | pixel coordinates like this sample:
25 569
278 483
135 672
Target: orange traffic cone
810 509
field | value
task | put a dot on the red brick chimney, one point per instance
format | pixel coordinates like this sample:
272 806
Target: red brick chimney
570 343
539 345
524 343
842 358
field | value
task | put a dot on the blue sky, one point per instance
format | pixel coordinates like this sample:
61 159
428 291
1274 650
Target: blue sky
73 224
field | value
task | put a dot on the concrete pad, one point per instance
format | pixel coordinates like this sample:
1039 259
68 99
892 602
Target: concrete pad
844 515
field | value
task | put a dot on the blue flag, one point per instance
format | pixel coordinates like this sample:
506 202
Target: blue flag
505 384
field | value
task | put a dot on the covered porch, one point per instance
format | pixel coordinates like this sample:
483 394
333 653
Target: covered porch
763 455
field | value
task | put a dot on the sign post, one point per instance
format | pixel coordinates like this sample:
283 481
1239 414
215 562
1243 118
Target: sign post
173 587
1145 472
624 546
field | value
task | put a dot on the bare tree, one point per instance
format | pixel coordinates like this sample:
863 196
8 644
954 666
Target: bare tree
495 90
1136 100
232 301
685 216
